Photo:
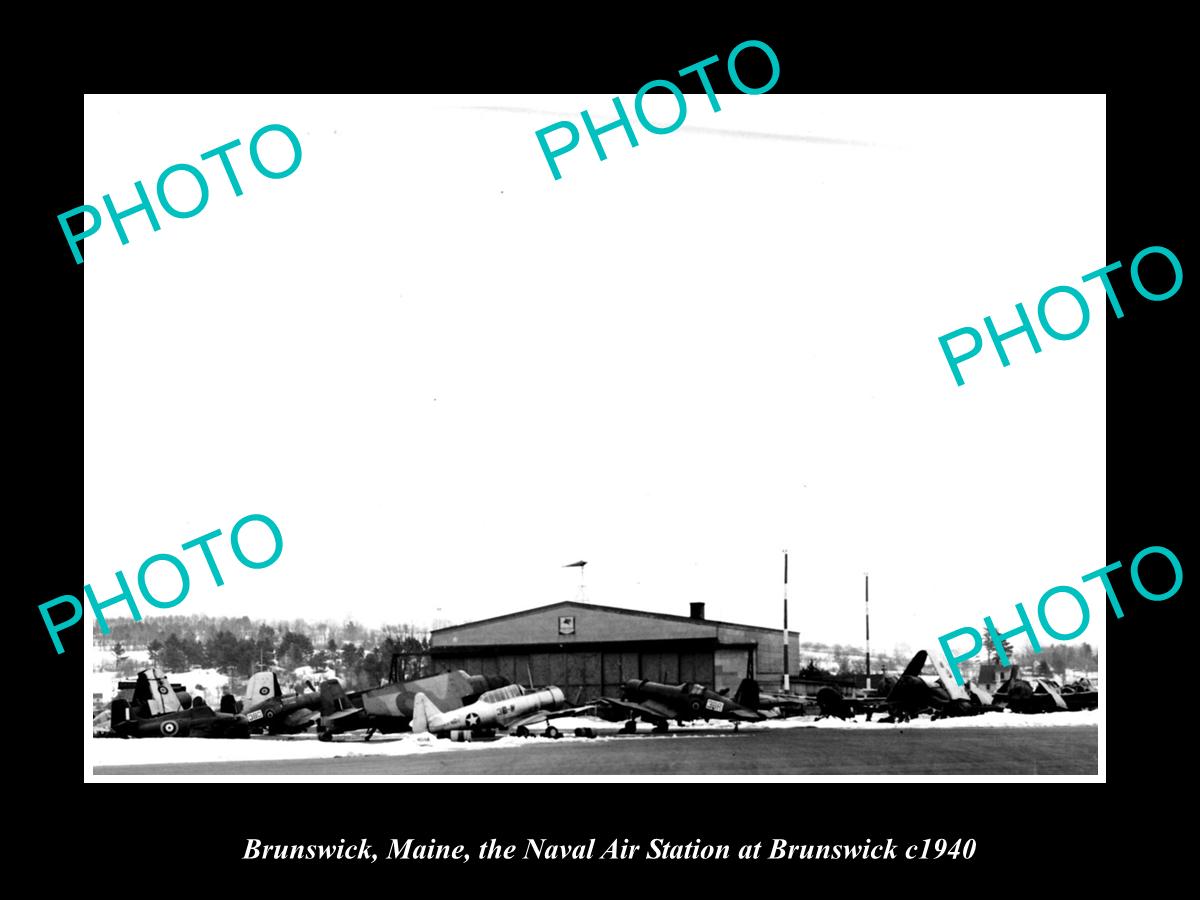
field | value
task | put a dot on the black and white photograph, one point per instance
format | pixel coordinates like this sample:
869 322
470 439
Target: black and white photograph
491 459
525 458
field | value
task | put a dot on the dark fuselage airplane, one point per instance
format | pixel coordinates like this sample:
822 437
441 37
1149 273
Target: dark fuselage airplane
834 704
1032 695
1081 694
267 708
157 711
659 703
914 693
771 705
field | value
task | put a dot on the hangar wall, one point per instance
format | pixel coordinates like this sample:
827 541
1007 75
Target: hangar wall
590 651
587 673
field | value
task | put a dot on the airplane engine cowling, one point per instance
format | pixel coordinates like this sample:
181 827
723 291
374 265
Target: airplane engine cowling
119 712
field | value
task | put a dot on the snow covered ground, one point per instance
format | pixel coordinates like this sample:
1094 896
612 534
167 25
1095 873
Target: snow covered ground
117 752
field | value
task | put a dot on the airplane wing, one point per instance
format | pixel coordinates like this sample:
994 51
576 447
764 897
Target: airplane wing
916 664
647 708
341 716
545 715
1053 692
956 690
744 714
979 693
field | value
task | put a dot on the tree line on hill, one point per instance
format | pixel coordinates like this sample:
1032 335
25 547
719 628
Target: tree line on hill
239 647
848 660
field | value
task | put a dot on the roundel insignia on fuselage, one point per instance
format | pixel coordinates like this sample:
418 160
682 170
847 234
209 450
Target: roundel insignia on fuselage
169 728
264 690
162 688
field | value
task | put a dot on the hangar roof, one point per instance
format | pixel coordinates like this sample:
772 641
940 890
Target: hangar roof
572 604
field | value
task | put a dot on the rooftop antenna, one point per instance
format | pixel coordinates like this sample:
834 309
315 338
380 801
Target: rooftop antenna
582 588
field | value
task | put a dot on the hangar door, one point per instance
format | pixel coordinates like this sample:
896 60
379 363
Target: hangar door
586 675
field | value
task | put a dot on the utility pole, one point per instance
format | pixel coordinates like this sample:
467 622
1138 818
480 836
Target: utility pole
867 589
787 678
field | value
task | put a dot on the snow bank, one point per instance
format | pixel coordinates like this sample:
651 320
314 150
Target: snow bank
147 751
1005 719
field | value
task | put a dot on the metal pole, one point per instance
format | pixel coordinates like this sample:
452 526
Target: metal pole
787 678
867 589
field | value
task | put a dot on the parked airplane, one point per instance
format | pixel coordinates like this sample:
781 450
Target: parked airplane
1081 694
751 696
914 693
512 708
1031 695
835 705
267 708
157 710
659 703
389 708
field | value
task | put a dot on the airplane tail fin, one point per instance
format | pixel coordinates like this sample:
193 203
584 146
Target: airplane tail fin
162 697
423 711
262 686
747 693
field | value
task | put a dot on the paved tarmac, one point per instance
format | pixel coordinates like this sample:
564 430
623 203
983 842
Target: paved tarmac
1059 750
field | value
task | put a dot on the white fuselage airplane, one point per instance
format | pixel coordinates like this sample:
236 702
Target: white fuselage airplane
506 707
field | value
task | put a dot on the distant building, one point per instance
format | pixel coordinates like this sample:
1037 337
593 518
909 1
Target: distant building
590 651
104 687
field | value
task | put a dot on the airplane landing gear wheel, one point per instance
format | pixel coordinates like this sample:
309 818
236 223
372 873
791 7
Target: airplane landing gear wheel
324 735
629 727
661 727
552 732
521 731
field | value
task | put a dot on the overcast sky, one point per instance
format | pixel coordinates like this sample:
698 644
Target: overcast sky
445 374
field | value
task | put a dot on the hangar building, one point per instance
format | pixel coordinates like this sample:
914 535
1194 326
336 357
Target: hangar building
590 651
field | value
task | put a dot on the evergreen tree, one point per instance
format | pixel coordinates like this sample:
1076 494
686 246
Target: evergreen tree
173 658
352 657
295 650
989 646
265 644
222 652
